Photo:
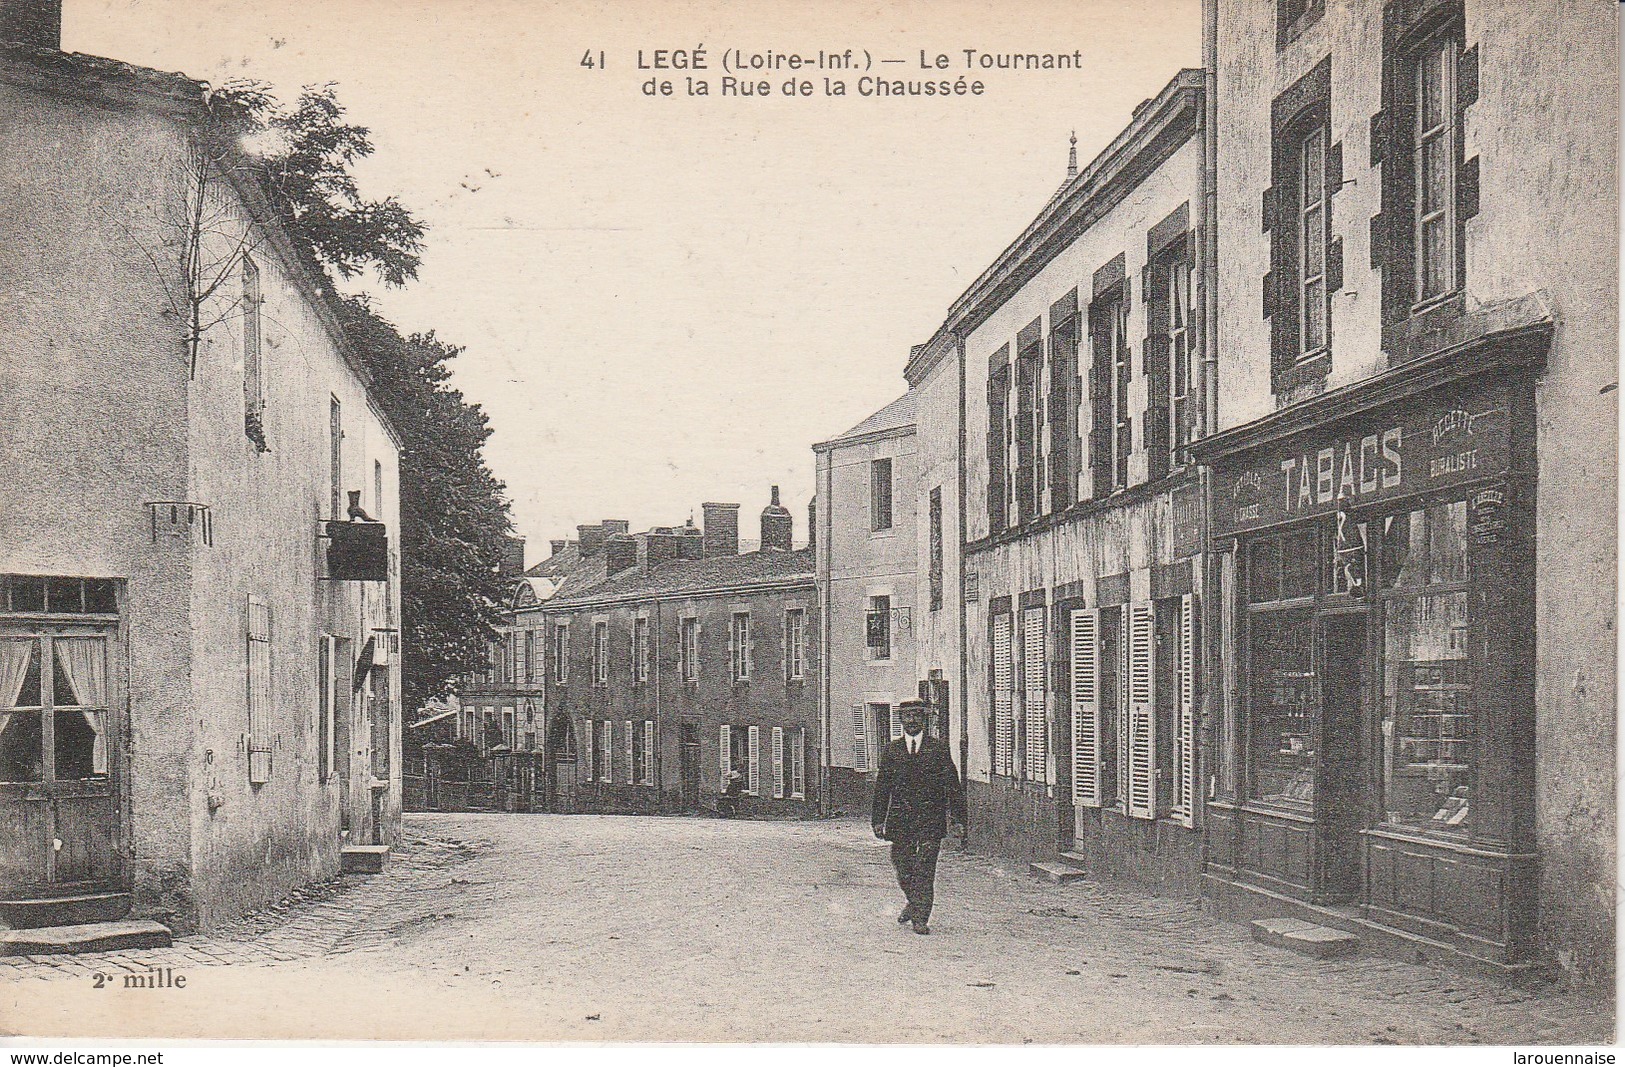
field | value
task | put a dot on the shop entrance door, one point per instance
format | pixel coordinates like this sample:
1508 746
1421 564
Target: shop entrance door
1341 777
59 814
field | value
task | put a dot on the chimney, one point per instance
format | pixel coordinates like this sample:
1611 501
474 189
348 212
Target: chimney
591 539
721 529
615 526
32 23
557 545
664 548
691 544
777 526
812 522
620 554
513 556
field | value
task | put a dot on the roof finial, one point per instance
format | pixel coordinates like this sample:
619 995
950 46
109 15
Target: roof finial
1072 157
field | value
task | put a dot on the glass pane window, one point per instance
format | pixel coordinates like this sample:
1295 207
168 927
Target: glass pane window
1436 159
1429 759
20 708
1285 723
1312 240
1427 546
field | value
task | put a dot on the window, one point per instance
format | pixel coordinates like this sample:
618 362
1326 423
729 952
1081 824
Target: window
688 651
795 644
877 628
1034 668
1292 17
752 779
880 494
534 665
253 366
1170 344
71 695
1029 423
607 748
998 411
589 754
778 763
1436 162
337 671
934 562
1063 402
1312 235
561 651
1112 440
259 691
23 594
646 749
640 650
739 646
600 653
1306 263
725 756
378 490
1003 679
335 459
513 669
634 754
798 763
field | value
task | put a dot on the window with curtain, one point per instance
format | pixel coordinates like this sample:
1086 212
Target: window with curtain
21 705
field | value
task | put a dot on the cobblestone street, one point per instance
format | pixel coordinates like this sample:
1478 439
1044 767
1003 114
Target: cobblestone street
612 929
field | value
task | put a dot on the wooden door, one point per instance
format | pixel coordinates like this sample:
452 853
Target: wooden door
1340 777
59 773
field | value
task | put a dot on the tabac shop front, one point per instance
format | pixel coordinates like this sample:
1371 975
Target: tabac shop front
1376 750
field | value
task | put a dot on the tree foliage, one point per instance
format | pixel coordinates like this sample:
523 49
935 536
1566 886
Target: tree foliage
454 512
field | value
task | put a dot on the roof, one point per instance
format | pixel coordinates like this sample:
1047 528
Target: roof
568 571
898 415
696 577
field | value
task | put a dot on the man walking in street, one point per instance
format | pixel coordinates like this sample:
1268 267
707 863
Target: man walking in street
916 792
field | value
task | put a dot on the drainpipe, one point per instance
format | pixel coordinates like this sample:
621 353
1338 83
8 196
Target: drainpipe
823 487
964 672
1213 697
657 771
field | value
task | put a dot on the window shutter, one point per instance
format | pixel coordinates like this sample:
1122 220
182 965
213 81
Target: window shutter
1141 705
733 648
648 752
631 768
896 720
860 739
1379 137
784 646
1187 709
752 754
1100 399
778 763
586 750
1379 240
324 708
259 691
1467 189
1467 78
1334 168
1086 708
724 755
798 762
1003 698
1034 667
750 649
609 750
1158 439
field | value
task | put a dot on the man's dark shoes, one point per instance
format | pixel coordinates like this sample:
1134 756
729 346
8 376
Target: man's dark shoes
920 927
908 913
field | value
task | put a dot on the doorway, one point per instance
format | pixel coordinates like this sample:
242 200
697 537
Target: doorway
59 774
1341 777
688 735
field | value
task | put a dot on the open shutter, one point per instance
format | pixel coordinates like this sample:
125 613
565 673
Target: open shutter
1086 708
778 763
648 752
587 767
860 740
1034 668
259 691
798 762
724 755
733 649
609 750
896 720
1187 709
1157 412
631 763
1003 697
753 755
1141 704
750 649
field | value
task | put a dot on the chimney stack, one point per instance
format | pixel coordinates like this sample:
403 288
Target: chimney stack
812 522
620 554
591 540
666 547
721 529
778 528
32 23
615 526
513 556
691 543
558 544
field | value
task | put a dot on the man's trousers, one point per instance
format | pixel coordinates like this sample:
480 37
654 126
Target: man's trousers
916 863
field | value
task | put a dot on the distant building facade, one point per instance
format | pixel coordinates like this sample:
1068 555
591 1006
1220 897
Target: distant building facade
866 558
199 639
689 667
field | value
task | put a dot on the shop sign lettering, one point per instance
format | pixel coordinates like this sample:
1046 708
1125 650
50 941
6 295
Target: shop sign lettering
1307 475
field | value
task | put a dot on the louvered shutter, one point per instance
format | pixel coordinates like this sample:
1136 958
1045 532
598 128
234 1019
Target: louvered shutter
648 752
896 723
1003 697
724 755
1141 705
752 754
750 648
798 762
1086 708
609 750
587 750
259 691
631 742
778 763
1187 709
860 739
733 648
1034 665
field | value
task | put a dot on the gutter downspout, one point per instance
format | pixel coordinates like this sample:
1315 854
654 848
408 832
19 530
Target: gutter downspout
824 488
1213 697
964 672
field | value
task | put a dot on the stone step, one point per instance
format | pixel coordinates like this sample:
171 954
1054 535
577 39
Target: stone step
71 910
363 859
85 937
1301 935
1076 859
1056 873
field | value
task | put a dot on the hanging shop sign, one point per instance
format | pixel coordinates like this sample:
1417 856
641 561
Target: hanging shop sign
1360 462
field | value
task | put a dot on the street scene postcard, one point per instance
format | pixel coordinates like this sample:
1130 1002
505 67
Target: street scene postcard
1072 522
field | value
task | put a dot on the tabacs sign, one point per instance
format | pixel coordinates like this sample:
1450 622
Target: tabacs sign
1309 474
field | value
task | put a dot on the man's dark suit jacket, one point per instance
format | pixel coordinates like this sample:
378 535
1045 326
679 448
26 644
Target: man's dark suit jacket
914 795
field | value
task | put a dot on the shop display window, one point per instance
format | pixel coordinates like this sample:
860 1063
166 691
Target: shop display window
1429 761
1285 728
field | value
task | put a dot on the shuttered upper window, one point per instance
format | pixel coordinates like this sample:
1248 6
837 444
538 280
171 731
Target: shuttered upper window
259 691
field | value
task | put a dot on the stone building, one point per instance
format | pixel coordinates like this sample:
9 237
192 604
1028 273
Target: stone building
1414 475
865 555
199 636
687 663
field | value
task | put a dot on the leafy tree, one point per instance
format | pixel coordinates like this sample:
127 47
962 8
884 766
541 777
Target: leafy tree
453 510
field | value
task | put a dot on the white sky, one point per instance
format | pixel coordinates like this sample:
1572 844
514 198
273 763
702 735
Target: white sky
667 301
